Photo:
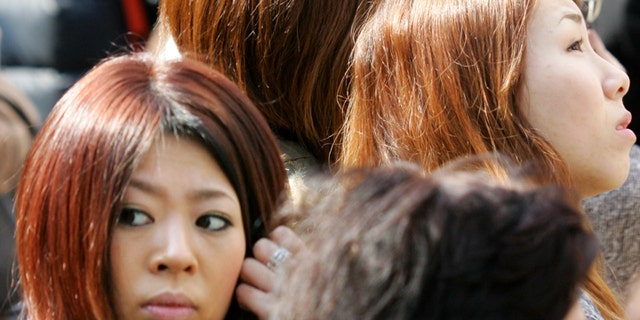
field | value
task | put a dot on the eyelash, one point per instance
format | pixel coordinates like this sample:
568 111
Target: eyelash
579 46
202 222
130 215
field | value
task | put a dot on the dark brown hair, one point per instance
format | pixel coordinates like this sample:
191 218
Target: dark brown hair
396 244
80 164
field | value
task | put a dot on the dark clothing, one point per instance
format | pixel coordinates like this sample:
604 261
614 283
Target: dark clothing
8 292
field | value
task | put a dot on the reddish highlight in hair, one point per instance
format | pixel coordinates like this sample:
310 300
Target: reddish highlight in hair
80 164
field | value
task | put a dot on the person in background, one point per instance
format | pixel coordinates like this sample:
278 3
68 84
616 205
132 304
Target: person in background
289 56
19 122
432 82
395 243
48 44
143 193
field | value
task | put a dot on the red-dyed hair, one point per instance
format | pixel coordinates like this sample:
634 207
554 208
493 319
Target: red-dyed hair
81 161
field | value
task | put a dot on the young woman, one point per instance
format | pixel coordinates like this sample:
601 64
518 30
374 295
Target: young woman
437 80
394 243
143 194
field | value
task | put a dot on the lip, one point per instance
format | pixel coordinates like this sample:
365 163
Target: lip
622 129
169 305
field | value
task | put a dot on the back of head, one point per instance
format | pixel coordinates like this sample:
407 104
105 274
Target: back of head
454 245
80 164
18 125
436 80
290 56
18 122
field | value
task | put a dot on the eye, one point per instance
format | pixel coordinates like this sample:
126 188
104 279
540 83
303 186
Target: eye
576 46
133 217
213 222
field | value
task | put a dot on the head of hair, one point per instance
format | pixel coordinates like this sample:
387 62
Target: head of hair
454 245
290 56
81 162
436 80
19 121
432 81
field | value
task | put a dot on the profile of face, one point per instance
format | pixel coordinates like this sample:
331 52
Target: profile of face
178 243
573 97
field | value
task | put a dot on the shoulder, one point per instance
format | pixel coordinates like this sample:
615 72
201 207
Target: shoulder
589 308
300 165
298 161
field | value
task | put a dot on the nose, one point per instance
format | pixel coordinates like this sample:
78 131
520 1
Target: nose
616 82
174 253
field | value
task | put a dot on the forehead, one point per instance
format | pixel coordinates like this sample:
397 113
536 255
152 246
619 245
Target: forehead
547 14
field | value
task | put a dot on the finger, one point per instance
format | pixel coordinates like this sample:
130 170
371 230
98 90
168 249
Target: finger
254 300
286 238
256 274
263 249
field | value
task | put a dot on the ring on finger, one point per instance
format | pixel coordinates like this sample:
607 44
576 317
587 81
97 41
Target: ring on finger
278 257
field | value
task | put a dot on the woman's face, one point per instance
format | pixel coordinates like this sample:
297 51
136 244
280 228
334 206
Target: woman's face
573 97
179 242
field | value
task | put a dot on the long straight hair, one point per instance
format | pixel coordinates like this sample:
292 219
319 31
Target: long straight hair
81 161
290 57
425 91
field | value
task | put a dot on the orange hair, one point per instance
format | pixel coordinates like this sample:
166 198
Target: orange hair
425 91
290 57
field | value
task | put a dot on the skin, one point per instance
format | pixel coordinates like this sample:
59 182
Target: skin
575 313
573 97
633 301
178 246
256 292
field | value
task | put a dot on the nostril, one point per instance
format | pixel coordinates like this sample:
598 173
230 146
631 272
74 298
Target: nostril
162 267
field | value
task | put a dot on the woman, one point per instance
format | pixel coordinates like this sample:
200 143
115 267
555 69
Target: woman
434 81
19 121
394 243
143 194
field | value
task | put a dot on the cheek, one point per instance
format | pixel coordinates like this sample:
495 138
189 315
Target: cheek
222 267
220 270
124 262
554 103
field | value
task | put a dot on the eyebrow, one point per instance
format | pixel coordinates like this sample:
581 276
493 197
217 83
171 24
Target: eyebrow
577 18
198 195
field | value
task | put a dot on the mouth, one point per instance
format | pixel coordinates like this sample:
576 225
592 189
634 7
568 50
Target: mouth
622 129
170 306
626 120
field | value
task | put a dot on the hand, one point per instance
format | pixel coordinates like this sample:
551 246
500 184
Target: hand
599 47
256 290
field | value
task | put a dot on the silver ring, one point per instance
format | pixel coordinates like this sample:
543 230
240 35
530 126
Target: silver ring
278 257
